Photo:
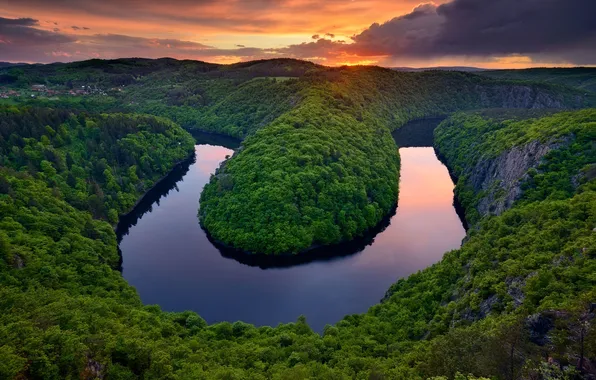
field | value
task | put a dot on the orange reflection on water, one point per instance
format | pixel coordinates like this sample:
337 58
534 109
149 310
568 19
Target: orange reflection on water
425 225
424 182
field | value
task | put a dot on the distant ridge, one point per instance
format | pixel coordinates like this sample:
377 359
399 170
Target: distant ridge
10 64
441 68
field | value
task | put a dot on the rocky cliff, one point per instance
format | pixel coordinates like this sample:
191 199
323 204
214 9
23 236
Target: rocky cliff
522 96
499 180
493 160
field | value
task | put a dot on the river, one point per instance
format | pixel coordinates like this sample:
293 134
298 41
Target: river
169 259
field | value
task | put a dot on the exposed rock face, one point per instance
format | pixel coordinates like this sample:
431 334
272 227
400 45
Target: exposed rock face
93 370
512 96
539 325
501 178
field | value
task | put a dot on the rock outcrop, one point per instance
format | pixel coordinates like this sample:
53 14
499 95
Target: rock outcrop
520 96
500 178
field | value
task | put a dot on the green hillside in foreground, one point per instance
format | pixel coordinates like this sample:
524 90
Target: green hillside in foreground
318 166
515 301
67 312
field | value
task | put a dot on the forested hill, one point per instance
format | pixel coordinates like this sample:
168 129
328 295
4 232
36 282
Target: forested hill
514 301
233 99
326 171
318 165
583 78
98 163
230 99
504 156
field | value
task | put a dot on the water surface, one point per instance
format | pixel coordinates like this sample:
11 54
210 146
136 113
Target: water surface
169 259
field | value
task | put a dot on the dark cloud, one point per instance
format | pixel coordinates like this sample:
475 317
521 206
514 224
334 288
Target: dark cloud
21 40
181 11
545 29
550 31
24 43
21 33
128 42
412 34
319 50
116 45
18 22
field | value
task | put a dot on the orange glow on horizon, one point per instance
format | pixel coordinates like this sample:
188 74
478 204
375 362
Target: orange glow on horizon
229 31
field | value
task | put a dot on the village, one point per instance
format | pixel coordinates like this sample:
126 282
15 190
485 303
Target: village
41 90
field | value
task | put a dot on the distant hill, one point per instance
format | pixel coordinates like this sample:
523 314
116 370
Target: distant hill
468 69
11 64
581 77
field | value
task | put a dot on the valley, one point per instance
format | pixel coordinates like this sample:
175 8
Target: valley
319 168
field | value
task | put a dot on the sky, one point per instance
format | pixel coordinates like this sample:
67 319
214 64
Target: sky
392 33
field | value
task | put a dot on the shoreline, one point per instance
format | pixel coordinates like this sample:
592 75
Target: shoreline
316 252
191 156
157 183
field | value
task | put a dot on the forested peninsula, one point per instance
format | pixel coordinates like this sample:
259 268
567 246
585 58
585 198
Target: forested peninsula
327 171
516 298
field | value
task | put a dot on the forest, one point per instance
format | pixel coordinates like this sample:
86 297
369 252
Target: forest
327 171
579 77
517 299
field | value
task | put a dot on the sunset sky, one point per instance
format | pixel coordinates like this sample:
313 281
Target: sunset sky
485 33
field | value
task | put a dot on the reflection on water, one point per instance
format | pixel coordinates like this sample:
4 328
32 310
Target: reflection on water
323 253
172 263
417 133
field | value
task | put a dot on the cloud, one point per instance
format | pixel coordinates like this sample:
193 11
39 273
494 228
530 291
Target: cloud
412 34
21 33
550 31
26 21
231 14
221 16
553 30
21 42
320 50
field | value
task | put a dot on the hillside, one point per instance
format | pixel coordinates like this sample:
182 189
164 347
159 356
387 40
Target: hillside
68 313
228 99
583 78
327 170
317 165
317 142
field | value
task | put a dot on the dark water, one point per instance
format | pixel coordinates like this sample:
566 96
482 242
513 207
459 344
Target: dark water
171 262
417 133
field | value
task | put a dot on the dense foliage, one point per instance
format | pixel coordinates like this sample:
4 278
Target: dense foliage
468 140
327 170
67 313
580 77
233 99
100 163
